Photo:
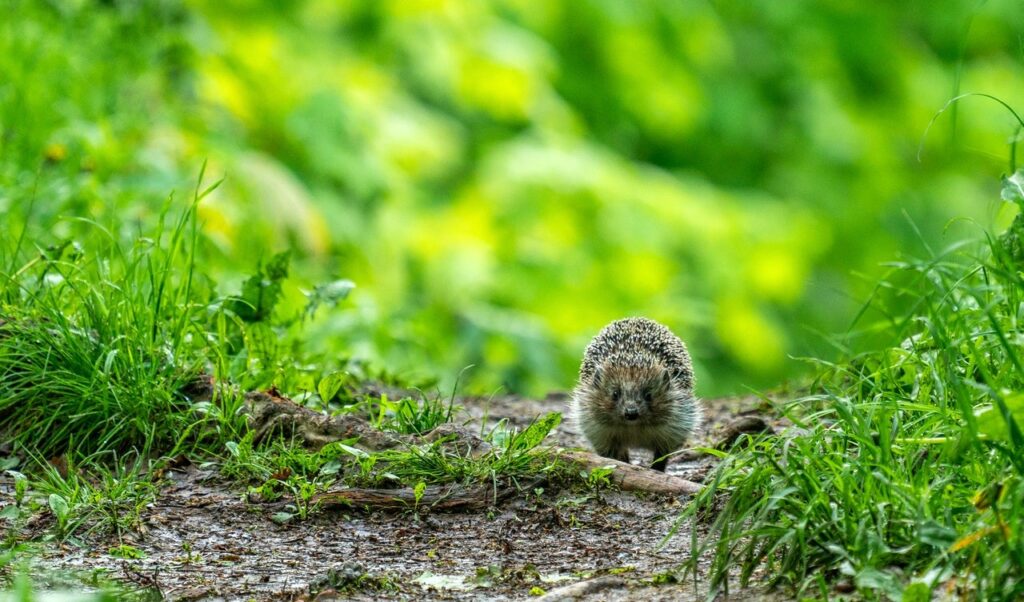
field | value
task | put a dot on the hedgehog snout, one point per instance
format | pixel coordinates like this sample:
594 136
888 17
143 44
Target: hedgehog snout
630 408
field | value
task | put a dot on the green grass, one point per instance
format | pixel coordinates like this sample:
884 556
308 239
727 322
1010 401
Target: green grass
97 342
412 416
510 455
283 467
101 340
902 473
95 497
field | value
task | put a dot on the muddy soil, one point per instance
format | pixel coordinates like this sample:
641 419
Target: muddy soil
203 541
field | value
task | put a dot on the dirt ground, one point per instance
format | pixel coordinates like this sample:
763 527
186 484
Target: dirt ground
203 541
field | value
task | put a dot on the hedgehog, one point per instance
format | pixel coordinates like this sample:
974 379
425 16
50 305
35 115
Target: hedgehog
636 391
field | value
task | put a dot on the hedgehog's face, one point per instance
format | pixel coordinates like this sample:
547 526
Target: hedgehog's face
633 394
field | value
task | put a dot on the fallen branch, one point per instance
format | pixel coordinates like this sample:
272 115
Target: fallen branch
630 477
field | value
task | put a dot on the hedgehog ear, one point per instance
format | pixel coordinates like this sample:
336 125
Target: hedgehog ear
666 378
598 376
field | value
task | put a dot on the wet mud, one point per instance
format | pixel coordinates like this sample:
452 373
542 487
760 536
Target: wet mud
203 540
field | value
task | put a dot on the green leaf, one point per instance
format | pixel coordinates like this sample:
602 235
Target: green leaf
538 431
329 293
417 491
109 362
261 291
353 451
277 267
874 579
991 421
1013 187
126 551
20 484
917 592
331 468
10 512
329 385
282 518
938 535
59 506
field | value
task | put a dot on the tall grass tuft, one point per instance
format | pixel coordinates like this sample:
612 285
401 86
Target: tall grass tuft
97 339
902 475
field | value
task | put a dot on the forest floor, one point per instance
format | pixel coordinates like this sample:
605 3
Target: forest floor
203 540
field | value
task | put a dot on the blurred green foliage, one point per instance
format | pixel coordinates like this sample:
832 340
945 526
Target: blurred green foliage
502 178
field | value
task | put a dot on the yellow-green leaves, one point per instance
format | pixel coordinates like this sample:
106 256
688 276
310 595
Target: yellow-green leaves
996 420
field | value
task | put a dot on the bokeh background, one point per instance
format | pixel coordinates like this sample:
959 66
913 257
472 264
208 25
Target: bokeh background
501 178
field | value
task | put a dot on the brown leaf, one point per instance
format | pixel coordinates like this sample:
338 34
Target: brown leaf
60 464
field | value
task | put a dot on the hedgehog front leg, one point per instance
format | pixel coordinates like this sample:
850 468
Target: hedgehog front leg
660 459
613 451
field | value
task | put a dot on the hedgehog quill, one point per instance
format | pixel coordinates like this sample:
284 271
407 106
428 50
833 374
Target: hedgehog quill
636 391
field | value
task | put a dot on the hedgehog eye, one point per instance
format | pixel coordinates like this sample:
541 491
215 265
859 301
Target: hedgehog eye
648 396
616 394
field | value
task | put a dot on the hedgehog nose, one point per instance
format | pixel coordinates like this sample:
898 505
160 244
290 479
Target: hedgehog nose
631 414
